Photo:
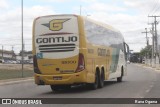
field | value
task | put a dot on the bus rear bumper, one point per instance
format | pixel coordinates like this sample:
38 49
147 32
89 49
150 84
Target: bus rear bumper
60 79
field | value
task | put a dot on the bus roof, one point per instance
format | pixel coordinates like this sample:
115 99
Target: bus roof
86 18
102 24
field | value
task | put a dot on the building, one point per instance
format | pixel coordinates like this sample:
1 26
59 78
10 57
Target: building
7 55
28 57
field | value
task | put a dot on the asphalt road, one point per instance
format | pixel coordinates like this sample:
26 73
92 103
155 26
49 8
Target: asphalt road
141 82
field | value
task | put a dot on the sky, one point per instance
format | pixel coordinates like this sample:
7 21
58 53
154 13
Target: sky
130 17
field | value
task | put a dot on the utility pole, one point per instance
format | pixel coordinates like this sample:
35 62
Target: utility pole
153 44
22 58
80 9
2 53
12 51
156 42
155 37
147 40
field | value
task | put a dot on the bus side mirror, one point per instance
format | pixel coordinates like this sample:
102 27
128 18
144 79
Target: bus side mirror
127 53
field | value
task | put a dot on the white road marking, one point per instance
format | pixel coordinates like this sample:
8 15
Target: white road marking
147 91
15 81
151 86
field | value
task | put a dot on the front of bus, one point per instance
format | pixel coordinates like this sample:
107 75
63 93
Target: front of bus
57 56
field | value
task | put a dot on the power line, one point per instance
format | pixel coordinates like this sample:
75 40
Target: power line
154 6
157 9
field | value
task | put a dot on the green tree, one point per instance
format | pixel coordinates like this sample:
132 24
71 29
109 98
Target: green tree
147 51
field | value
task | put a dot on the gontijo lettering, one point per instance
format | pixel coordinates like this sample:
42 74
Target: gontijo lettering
56 39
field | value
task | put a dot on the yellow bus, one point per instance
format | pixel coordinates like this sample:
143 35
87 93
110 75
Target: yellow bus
71 50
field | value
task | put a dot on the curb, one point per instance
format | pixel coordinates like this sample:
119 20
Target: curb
145 66
15 81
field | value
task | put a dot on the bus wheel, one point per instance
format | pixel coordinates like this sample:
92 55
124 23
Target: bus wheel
94 85
119 79
101 80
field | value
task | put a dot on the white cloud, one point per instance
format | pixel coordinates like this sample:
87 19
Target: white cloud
36 11
4 4
105 7
122 22
86 1
12 19
11 22
144 6
130 3
89 1
54 0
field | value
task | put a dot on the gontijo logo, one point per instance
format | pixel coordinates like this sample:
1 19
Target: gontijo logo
56 24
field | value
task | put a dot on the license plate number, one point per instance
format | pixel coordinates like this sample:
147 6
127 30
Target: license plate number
57 78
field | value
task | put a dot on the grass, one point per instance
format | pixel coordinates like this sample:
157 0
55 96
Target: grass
11 74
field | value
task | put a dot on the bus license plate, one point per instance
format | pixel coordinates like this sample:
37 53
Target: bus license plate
57 78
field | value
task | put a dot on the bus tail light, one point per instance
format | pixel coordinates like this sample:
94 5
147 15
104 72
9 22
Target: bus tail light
81 63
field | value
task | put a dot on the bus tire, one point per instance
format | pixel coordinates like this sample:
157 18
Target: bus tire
119 79
94 85
101 80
